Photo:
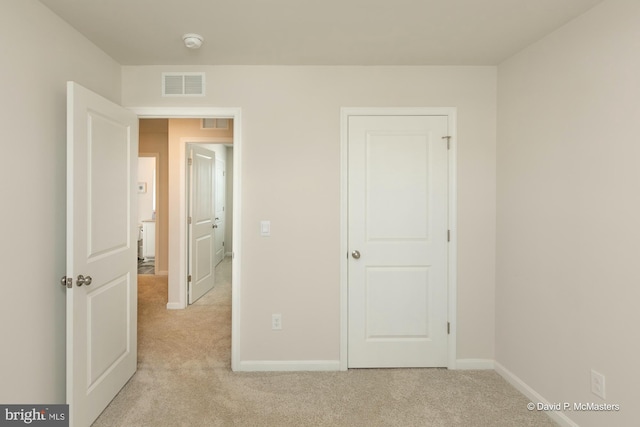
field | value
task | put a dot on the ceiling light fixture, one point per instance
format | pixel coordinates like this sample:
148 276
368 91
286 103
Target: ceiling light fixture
193 41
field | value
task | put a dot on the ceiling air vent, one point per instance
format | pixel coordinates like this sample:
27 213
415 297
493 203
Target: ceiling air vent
183 84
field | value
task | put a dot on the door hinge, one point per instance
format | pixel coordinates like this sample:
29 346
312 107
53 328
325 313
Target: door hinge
190 161
448 328
448 138
189 220
188 278
448 235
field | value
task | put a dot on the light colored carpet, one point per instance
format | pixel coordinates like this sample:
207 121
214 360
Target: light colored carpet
184 379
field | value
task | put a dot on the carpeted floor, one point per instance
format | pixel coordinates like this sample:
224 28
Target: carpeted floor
184 379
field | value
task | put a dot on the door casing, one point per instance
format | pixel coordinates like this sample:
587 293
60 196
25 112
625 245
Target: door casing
178 259
345 113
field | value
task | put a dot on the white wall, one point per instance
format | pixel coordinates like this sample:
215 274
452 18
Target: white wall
291 176
568 240
39 54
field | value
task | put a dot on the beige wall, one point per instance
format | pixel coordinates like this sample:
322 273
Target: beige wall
154 136
291 176
179 128
568 239
39 54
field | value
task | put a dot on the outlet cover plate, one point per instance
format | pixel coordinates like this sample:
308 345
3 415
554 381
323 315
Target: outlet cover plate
276 322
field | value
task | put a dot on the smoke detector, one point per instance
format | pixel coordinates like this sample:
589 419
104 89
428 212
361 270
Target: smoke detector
193 41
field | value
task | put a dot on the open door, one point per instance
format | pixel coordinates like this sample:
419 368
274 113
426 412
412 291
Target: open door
201 221
102 151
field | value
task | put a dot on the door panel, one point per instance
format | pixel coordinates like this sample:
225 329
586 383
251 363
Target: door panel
202 231
396 186
398 298
102 147
398 182
107 318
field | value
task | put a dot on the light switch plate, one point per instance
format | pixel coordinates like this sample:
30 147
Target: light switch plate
265 228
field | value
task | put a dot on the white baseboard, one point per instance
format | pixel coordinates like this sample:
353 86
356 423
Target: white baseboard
533 395
288 365
481 364
174 306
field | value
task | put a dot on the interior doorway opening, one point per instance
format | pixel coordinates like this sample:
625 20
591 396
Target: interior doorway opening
147 191
177 214
157 137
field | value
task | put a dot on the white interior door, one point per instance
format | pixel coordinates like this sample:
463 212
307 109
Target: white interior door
220 208
397 239
102 152
202 221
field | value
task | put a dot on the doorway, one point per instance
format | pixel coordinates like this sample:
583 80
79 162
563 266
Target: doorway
148 193
177 292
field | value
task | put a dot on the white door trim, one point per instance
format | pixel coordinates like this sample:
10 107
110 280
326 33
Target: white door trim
345 113
178 258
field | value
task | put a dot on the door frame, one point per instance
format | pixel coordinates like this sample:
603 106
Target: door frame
345 113
178 256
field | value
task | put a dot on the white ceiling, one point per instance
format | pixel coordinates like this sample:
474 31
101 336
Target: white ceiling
317 32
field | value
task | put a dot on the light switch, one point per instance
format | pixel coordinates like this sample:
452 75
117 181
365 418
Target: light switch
265 228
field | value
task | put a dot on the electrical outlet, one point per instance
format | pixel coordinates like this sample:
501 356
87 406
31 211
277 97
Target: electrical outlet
276 322
597 384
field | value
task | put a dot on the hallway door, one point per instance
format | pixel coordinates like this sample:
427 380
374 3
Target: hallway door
201 221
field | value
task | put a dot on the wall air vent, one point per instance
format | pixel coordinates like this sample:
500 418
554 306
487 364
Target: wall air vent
183 84
215 123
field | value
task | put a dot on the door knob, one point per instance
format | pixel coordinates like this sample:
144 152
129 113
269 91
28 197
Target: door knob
66 281
355 254
83 280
